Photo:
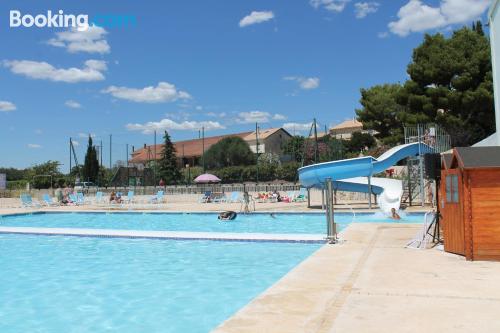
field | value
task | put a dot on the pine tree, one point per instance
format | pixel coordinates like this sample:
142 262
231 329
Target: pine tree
479 28
91 165
169 170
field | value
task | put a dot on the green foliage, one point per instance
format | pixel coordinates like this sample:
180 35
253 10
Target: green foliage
359 141
189 174
295 147
90 171
168 168
230 151
450 84
14 174
267 172
38 175
381 112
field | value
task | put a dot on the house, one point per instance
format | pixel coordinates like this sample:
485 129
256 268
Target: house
188 152
345 129
270 140
470 202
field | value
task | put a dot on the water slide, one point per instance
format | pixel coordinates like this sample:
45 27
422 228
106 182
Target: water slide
352 174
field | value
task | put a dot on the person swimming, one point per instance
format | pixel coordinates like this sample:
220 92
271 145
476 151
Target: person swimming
226 216
394 214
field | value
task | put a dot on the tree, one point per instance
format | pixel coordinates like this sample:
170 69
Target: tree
359 141
91 165
381 112
295 147
451 84
168 168
39 174
230 151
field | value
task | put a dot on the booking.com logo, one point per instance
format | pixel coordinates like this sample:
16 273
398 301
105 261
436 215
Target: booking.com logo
61 20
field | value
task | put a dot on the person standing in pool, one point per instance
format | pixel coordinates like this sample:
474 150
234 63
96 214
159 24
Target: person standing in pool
246 200
394 214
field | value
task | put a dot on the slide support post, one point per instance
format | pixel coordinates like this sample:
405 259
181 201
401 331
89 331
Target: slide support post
331 226
370 192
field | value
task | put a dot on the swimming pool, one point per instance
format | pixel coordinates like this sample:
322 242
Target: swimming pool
76 284
253 223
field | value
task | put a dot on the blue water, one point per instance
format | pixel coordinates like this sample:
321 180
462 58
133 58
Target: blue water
255 223
76 284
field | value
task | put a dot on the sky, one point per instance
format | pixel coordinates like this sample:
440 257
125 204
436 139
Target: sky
183 65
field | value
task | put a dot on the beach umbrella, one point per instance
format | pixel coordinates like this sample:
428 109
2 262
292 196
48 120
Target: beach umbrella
207 178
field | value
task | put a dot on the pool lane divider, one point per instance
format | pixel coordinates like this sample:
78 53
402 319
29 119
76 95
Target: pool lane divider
172 235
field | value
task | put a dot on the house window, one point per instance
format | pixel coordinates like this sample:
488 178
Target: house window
452 188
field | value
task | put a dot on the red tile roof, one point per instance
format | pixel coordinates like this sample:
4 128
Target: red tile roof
186 148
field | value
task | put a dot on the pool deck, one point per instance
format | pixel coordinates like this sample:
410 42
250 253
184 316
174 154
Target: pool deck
371 283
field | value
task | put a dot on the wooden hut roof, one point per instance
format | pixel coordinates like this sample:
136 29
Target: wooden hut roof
477 157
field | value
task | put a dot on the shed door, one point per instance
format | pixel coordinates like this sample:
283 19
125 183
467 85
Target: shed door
451 205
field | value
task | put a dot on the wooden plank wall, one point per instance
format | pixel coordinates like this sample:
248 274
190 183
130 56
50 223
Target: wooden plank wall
484 217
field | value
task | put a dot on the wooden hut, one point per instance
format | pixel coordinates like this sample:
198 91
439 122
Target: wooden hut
470 202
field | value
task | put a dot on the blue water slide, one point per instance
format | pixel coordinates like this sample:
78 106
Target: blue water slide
340 171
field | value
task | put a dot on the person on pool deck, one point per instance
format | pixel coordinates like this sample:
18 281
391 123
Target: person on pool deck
225 216
394 214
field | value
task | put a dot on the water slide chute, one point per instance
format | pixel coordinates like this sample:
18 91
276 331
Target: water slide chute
352 174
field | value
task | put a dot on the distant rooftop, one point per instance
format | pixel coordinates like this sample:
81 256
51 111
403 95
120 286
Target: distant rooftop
353 123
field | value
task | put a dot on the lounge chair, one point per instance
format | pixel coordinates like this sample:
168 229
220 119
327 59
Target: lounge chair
129 198
48 201
98 199
28 202
206 197
302 196
80 198
234 197
220 198
158 198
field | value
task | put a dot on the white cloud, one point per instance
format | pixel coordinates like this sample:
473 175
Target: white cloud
6 106
38 132
253 117
72 104
91 40
168 124
163 92
330 5
384 34
256 17
92 71
278 116
86 135
297 127
34 145
199 108
75 143
416 16
362 9
306 83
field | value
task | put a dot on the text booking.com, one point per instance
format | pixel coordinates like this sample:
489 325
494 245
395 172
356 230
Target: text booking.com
59 19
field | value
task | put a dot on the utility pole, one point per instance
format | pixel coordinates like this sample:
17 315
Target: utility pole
315 142
257 148
110 152
70 144
128 174
203 146
154 162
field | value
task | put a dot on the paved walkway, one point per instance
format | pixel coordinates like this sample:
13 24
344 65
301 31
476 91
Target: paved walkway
371 283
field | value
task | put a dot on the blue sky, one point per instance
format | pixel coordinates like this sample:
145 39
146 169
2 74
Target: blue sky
187 64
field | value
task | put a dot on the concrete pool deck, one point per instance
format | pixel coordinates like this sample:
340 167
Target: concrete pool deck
371 283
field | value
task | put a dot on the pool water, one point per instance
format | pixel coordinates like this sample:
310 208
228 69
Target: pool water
253 223
80 284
